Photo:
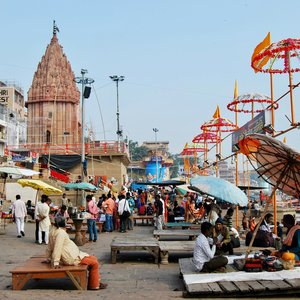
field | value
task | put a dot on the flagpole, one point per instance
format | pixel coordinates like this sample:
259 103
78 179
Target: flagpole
235 95
273 125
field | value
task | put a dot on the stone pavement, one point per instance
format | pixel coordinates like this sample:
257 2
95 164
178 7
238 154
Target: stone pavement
135 276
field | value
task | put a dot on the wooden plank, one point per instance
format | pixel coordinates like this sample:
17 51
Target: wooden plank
295 283
215 288
243 286
256 286
282 285
269 285
186 266
198 288
228 287
185 246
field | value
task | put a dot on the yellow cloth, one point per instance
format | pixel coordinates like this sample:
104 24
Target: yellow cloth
261 46
62 249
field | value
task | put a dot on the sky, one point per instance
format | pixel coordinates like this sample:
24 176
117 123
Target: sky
180 59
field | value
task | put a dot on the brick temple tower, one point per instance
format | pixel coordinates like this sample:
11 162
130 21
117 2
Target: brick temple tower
53 101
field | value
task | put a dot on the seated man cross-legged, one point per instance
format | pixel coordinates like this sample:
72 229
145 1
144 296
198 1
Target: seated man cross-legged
204 259
61 250
290 249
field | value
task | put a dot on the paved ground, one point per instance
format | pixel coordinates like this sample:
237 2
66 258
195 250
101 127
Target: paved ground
134 276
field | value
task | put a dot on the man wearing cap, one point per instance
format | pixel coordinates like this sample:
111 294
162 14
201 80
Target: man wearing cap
203 258
61 250
221 238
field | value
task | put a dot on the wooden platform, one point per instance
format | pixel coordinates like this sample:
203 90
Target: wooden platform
149 219
186 247
232 284
33 268
134 244
181 225
191 234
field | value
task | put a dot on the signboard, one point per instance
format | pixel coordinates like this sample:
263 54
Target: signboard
256 125
6 95
153 158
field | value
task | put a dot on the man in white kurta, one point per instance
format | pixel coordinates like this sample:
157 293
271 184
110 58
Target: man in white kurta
44 220
204 259
20 212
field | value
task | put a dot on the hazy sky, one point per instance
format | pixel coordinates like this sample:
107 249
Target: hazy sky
180 58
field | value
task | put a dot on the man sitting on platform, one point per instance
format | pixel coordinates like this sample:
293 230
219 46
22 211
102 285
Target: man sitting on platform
62 250
290 249
203 258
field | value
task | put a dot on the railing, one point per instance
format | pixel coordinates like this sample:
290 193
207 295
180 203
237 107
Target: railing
97 147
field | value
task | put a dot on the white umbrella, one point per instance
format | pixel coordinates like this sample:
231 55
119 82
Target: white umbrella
18 171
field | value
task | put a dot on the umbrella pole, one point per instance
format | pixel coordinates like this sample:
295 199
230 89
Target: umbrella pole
291 90
248 251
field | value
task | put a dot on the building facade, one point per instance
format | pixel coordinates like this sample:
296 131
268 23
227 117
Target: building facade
53 101
12 116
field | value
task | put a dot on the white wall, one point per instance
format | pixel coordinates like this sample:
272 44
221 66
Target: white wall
12 189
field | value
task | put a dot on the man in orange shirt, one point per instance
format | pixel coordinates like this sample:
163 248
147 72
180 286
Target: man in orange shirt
108 205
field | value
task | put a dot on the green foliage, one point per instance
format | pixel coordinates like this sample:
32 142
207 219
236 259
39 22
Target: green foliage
137 152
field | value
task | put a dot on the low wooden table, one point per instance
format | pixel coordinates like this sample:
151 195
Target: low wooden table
175 246
181 225
78 236
33 268
146 218
134 244
175 233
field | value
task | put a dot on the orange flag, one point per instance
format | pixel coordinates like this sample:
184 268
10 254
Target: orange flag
217 113
264 44
186 164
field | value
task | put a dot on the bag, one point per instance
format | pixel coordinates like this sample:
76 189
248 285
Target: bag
126 214
272 264
253 265
235 241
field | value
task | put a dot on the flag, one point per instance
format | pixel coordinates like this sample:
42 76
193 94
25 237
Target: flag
186 164
217 113
284 140
264 44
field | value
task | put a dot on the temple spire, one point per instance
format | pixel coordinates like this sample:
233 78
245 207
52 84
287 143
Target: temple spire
55 28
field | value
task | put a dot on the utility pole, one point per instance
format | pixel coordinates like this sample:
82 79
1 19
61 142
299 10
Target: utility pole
156 158
85 93
116 79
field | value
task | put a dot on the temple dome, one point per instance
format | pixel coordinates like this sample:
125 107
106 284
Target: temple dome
54 78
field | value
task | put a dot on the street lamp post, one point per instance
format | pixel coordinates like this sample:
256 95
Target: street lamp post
116 79
156 158
83 81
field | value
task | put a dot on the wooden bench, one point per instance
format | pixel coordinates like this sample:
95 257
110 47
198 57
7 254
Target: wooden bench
134 244
181 225
146 218
33 268
235 284
175 246
100 226
175 234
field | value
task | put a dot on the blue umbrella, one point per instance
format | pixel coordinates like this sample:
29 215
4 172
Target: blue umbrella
220 189
83 186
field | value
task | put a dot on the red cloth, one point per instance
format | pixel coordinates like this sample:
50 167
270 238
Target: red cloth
59 176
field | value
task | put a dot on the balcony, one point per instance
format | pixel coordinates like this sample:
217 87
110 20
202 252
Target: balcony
94 148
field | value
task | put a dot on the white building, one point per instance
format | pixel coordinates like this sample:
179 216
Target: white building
12 116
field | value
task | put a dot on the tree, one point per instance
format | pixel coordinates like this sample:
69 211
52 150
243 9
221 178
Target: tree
137 153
